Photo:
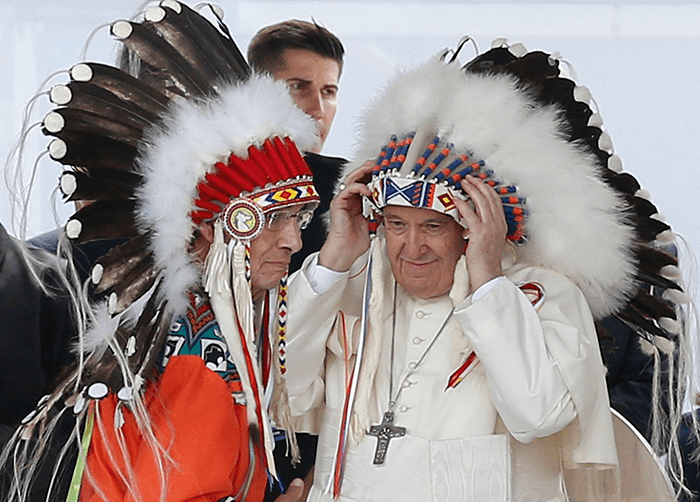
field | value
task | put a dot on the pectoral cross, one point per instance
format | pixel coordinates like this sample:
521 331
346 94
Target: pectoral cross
384 432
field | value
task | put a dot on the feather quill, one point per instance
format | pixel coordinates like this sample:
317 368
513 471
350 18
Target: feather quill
126 87
99 184
144 40
90 97
88 150
103 220
212 40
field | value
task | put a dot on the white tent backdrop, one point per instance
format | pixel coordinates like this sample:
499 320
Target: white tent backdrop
641 61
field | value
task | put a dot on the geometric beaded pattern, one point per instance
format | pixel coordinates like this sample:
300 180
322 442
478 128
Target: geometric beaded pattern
197 333
274 198
282 321
434 179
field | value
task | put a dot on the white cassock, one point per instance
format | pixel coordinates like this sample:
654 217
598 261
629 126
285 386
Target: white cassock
529 422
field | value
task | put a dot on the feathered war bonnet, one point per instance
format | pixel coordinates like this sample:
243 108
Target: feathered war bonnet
512 119
195 139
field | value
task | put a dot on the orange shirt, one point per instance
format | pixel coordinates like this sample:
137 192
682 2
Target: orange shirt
206 435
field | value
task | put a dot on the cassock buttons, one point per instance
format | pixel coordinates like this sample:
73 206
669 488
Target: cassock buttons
420 314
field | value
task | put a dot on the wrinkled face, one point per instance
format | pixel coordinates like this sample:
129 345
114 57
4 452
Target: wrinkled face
423 247
313 84
271 251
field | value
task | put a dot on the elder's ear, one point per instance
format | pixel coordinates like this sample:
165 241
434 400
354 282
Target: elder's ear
206 232
201 240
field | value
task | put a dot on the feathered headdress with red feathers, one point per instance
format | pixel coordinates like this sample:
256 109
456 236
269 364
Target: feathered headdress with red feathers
193 138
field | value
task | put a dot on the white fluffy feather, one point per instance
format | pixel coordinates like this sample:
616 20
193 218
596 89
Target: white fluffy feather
191 139
577 223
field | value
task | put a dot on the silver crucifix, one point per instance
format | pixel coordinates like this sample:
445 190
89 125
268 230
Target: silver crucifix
384 432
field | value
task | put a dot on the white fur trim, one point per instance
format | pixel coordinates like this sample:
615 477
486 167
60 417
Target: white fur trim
675 296
643 193
666 237
671 272
615 164
670 325
665 345
193 136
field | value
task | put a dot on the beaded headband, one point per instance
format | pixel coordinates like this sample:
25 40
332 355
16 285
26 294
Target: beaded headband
432 181
244 190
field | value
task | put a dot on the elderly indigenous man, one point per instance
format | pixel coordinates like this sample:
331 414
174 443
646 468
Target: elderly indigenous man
309 59
453 355
200 172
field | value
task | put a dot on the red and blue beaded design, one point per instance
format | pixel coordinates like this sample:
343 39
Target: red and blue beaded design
433 180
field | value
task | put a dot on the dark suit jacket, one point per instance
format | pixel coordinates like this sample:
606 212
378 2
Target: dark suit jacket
35 340
326 171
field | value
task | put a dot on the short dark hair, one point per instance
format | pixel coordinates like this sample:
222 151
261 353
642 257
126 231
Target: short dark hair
267 46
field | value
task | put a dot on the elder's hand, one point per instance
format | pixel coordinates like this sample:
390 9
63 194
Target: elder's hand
294 492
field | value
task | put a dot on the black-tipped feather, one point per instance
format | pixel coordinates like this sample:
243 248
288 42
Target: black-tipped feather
624 182
123 254
650 228
223 45
156 51
103 184
159 332
656 258
654 307
179 34
85 149
150 332
637 319
105 220
90 97
128 88
133 285
124 263
81 121
653 278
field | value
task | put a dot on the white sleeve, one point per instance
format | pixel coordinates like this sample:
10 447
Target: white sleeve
315 295
509 337
485 288
321 278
